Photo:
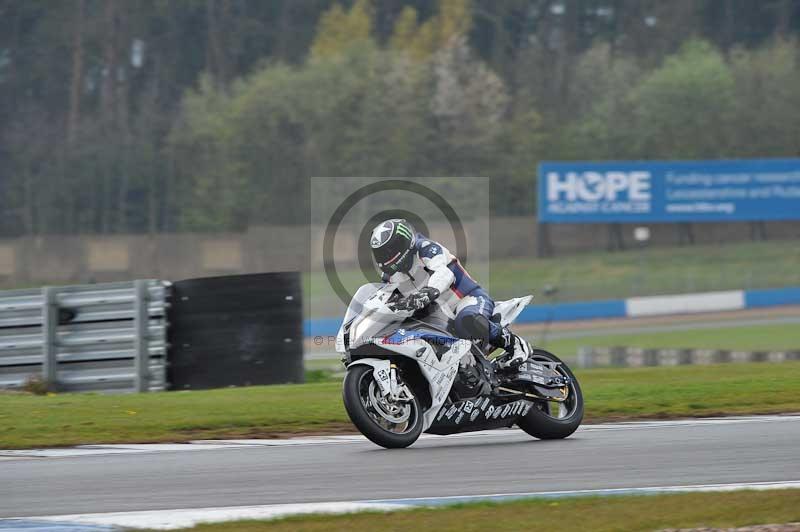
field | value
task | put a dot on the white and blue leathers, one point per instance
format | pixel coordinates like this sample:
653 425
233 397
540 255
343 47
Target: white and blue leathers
460 297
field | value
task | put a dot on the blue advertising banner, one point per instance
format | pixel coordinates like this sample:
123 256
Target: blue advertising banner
669 191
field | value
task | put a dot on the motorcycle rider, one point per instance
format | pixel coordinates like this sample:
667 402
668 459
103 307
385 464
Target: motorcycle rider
426 271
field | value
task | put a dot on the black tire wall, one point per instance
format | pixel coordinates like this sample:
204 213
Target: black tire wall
236 330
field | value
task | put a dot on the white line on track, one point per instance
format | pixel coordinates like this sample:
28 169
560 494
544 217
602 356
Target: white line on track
209 445
187 517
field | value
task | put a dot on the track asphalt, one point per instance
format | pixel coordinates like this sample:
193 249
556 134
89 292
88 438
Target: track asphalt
234 473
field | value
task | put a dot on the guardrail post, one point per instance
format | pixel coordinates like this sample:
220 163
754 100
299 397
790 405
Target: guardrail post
141 319
619 356
49 335
585 357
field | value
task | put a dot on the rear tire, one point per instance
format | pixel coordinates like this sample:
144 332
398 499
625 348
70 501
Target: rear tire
539 423
364 421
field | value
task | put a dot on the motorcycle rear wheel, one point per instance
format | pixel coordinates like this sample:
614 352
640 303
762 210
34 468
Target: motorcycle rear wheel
540 422
377 419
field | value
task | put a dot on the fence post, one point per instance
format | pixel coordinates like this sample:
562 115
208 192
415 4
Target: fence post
585 357
543 246
49 336
141 318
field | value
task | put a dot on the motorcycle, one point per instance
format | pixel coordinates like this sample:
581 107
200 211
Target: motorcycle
408 373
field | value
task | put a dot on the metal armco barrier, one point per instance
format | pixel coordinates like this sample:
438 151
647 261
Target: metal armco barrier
101 337
589 357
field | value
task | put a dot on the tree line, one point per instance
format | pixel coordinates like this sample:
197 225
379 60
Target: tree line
176 115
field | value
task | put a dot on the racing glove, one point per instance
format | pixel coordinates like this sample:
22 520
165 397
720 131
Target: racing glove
422 298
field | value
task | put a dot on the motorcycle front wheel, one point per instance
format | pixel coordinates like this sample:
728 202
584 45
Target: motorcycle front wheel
387 423
550 420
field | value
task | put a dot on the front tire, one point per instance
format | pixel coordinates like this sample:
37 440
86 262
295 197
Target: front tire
373 421
540 421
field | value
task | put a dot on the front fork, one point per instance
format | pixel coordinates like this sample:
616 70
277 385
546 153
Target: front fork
398 391
385 373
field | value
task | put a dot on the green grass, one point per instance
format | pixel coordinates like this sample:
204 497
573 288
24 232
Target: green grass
67 419
778 337
687 391
663 270
602 275
263 411
632 513
748 338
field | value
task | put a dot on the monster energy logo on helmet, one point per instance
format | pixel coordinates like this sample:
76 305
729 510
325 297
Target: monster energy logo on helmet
404 230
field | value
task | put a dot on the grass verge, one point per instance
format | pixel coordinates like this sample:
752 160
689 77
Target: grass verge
776 337
263 411
651 512
747 338
604 275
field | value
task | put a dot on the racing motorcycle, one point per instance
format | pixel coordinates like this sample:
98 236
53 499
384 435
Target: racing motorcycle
408 373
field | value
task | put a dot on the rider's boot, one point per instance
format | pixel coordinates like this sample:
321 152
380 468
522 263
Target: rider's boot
518 349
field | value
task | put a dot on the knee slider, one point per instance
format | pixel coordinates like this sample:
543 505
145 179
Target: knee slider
474 326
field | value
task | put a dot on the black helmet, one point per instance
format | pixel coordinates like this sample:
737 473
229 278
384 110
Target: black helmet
392 245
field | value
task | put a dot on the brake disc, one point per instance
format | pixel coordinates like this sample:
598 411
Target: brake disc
389 410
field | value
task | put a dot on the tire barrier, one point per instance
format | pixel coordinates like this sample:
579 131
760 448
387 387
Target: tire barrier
235 330
591 357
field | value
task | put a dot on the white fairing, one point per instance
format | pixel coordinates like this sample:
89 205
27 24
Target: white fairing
509 310
371 320
381 372
369 315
